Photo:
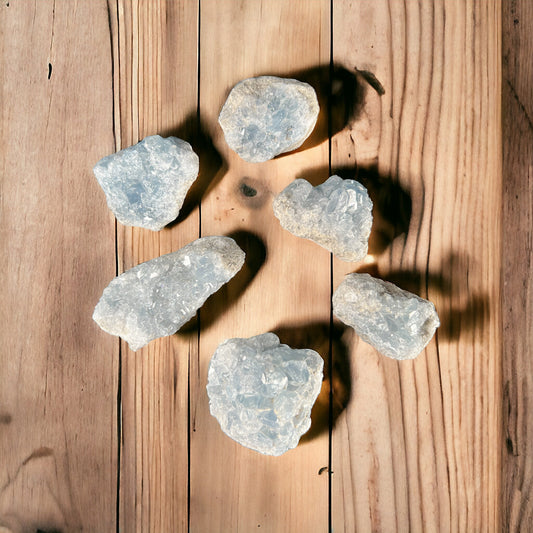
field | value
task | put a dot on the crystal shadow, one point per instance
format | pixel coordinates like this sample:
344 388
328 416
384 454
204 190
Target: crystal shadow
219 302
316 336
392 204
341 95
212 165
468 312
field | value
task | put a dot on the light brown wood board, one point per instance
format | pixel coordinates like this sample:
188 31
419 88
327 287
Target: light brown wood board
97 437
58 370
424 434
154 91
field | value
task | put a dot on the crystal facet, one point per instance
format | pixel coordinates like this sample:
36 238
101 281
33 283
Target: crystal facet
395 322
261 392
267 116
156 298
145 185
336 214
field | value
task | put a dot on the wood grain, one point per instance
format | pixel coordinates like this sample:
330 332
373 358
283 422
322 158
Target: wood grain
155 91
517 273
58 371
233 488
417 448
411 106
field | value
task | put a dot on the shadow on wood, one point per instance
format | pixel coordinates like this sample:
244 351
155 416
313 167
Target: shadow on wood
341 93
219 302
392 205
316 336
211 162
346 91
470 312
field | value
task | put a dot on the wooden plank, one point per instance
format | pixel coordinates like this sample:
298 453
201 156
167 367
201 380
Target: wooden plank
58 370
418 446
285 283
517 273
155 67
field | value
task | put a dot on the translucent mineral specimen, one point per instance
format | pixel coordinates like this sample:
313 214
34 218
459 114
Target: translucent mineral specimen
267 116
336 214
397 323
261 392
145 185
156 298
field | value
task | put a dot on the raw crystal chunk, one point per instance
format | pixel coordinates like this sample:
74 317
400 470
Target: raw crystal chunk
395 322
261 392
336 214
156 298
145 184
267 116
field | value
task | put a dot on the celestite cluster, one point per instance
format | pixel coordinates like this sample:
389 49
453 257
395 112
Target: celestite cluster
397 323
156 298
336 214
261 392
145 184
267 116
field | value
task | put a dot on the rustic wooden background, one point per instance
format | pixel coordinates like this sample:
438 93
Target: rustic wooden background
96 437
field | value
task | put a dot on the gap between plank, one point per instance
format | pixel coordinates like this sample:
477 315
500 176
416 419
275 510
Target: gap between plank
330 344
119 377
198 315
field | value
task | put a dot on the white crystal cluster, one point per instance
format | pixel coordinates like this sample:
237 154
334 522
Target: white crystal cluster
267 116
261 392
145 185
336 214
156 298
397 323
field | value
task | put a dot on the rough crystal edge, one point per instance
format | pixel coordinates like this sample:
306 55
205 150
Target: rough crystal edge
393 289
315 109
97 171
232 264
281 201
275 342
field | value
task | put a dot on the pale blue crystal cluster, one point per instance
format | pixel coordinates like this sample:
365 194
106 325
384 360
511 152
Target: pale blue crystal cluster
156 298
261 392
145 184
395 322
267 116
336 214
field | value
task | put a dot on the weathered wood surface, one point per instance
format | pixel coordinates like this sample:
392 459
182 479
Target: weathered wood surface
517 267
58 370
418 446
285 283
154 91
97 437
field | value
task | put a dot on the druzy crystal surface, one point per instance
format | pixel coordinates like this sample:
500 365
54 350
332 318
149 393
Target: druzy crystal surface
145 185
156 298
336 214
397 323
261 392
267 116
